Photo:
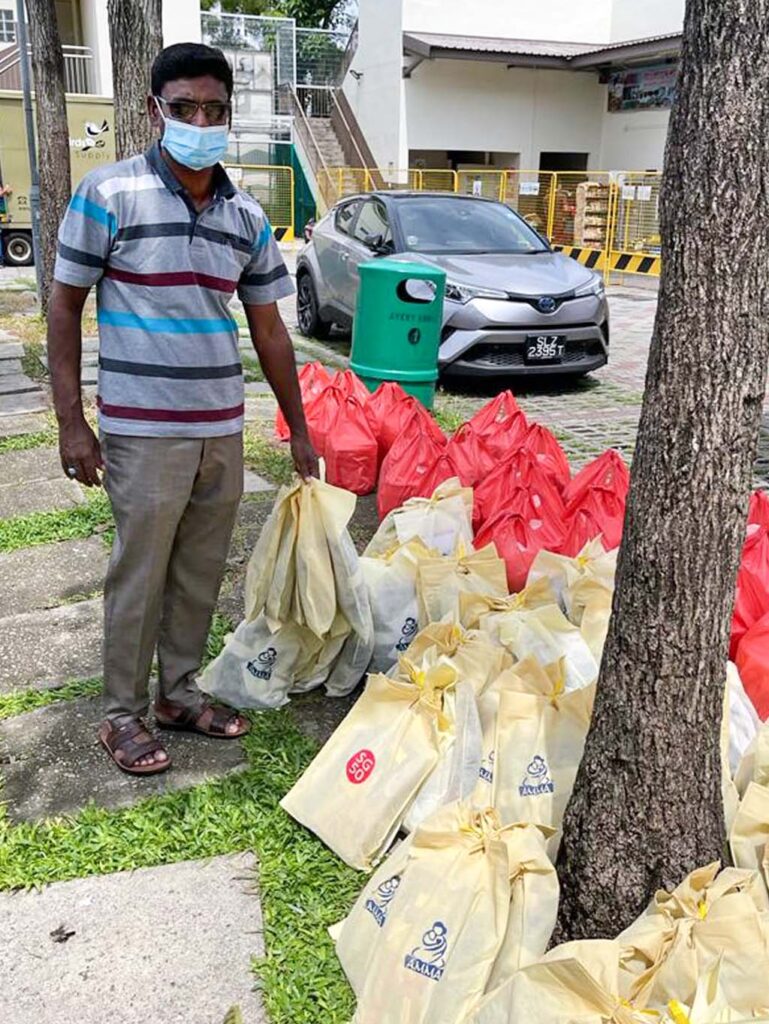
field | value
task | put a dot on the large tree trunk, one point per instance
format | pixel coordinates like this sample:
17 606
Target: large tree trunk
647 805
52 131
136 38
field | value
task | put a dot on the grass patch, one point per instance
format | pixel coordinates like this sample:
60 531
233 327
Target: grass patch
252 369
23 442
29 328
267 459
304 887
58 524
448 420
19 702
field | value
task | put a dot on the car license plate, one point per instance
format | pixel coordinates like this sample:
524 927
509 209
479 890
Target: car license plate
545 348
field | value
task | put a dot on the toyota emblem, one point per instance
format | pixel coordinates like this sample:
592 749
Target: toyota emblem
546 304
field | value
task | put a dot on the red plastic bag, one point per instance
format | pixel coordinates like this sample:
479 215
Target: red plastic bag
408 466
352 453
549 453
759 508
381 407
752 598
501 425
352 385
313 378
444 468
321 413
494 494
607 471
600 512
753 665
400 415
472 459
493 414
519 535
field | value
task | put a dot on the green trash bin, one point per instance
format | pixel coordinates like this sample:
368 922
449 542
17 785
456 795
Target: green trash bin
397 328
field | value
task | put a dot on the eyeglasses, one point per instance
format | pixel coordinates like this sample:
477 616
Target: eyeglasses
215 112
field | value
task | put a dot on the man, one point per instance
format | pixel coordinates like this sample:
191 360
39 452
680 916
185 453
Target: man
5 190
168 239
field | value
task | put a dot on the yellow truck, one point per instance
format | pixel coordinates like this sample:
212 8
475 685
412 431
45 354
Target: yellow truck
91 143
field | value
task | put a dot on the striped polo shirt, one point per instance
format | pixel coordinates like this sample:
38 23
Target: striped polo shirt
169 364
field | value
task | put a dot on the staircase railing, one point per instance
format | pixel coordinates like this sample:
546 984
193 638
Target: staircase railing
306 136
78 62
349 53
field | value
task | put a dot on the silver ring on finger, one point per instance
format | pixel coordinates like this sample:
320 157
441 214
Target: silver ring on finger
71 472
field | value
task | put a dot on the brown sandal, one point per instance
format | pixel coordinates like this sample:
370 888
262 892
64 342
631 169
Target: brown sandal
129 743
188 720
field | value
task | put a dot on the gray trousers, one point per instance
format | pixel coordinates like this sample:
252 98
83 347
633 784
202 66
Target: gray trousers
175 501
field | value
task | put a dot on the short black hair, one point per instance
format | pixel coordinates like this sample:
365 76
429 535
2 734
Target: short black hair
190 60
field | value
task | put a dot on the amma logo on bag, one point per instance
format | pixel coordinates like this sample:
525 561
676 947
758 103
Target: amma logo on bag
379 906
486 771
407 634
263 664
537 779
429 959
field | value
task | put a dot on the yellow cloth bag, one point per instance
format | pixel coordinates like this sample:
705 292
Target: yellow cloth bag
754 766
391 583
709 914
541 731
480 611
356 792
534 893
477 660
593 563
710 1004
445 924
576 983
440 522
590 606
440 581
750 832
547 635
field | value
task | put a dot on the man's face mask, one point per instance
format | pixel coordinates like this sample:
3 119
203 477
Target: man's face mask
191 145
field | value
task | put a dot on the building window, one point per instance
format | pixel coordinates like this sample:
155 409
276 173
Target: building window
7 27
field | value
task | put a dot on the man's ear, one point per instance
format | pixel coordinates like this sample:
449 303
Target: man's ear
153 113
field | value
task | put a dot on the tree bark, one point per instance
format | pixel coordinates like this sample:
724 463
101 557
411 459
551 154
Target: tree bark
52 131
647 807
136 38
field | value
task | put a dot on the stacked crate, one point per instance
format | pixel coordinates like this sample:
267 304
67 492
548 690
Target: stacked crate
591 217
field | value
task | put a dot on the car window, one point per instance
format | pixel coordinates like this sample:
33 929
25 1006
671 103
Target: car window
345 216
372 220
438 224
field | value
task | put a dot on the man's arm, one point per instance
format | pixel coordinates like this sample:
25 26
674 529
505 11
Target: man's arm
78 445
276 355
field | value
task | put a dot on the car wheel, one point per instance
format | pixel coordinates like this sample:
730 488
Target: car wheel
311 324
18 249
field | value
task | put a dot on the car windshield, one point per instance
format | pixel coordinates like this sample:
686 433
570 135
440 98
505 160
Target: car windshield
444 225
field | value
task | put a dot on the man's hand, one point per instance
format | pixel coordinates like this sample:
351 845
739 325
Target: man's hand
305 457
79 449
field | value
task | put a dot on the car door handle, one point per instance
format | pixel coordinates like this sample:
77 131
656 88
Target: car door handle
344 256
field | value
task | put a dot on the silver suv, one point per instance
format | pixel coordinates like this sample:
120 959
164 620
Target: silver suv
513 306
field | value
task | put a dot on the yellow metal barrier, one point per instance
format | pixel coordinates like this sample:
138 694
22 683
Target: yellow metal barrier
580 216
489 184
635 228
606 222
531 193
273 187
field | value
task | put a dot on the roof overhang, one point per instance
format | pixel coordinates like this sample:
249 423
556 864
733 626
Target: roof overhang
421 46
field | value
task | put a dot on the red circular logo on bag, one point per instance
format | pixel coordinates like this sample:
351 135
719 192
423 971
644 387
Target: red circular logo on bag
360 766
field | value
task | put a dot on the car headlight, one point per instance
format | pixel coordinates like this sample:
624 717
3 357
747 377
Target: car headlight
465 292
594 287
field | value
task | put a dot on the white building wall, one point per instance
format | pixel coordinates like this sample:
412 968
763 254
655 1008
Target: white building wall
463 105
377 97
93 14
563 20
634 141
634 20
181 21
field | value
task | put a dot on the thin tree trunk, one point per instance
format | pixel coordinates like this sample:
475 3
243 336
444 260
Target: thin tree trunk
647 808
52 131
136 38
